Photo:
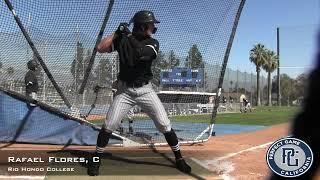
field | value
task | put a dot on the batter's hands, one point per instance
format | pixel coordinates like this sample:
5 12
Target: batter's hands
123 29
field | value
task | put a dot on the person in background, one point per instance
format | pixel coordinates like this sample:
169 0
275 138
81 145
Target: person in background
31 81
230 99
242 97
224 99
246 105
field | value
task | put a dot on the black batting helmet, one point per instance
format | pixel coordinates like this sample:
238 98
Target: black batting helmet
32 65
142 17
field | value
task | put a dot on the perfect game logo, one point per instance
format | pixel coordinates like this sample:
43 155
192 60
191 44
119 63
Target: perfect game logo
289 157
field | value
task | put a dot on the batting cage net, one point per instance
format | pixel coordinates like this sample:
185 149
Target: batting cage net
194 36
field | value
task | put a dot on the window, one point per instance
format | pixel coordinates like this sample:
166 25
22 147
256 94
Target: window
183 73
194 74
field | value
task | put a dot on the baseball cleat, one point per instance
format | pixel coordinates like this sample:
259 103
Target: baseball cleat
93 168
183 166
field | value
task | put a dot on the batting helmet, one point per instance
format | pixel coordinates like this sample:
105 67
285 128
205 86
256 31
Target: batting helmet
142 17
32 65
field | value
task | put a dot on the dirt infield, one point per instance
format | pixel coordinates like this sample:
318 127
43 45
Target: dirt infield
241 156
238 156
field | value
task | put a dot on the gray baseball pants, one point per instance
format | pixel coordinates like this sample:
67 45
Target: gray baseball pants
145 97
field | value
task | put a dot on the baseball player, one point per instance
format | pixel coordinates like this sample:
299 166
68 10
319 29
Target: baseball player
30 79
246 105
130 116
136 51
130 113
242 106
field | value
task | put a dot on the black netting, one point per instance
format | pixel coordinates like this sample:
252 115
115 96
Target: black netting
194 33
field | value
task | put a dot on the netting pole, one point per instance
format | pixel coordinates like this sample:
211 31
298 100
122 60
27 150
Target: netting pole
36 53
228 84
225 61
94 52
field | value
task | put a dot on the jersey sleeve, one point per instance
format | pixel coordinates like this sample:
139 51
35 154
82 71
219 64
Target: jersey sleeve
149 51
154 45
115 44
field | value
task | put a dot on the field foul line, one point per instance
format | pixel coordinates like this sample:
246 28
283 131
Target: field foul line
224 168
206 163
242 151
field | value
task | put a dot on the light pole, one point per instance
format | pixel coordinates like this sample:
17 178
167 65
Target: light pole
204 77
251 88
278 70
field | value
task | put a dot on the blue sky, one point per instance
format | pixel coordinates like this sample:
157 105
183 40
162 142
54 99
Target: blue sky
258 24
183 23
206 23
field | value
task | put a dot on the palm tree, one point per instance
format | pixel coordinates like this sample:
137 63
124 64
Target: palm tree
257 56
269 67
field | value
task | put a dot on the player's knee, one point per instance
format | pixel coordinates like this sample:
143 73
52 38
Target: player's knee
162 123
164 128
169 131
111 124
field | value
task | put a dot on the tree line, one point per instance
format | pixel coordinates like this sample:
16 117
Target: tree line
102 73
291 89
194 60
263 58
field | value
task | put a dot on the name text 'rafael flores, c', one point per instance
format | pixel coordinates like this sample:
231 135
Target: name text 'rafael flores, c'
50 159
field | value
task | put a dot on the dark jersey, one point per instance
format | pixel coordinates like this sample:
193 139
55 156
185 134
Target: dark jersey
245 102
133 66
31 82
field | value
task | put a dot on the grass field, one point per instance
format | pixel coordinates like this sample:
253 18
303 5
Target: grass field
263 115
260 116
